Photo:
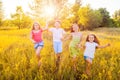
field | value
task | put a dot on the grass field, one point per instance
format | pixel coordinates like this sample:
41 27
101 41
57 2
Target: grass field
18 60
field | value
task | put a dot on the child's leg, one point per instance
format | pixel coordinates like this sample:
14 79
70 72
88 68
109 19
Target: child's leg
58 59
58 51
58 56
38 54
74 62
88 66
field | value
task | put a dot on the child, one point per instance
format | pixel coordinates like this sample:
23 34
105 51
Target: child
57 33
36 38
75 42
90 46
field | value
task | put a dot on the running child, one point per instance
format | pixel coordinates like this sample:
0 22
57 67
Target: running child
36 38
58 34
90 46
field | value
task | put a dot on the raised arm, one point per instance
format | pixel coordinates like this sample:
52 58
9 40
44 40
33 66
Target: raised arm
46 27
103 46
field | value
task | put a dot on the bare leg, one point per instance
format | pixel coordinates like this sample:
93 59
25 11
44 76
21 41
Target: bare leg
58 59
74 63
38 54
88 67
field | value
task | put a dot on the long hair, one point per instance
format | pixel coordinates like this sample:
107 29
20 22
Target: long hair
33 28
72 27
95 38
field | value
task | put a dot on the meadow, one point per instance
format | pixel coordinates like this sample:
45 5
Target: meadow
18 60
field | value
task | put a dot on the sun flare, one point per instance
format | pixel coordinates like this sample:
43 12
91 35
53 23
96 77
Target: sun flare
49 11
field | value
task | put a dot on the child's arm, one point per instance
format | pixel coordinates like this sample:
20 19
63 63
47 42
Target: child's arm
32 38
82 46
103 46
80 43
68 37
46 27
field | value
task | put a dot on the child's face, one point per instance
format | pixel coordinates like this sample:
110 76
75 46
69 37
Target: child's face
75 27
36 26
57 24
91 38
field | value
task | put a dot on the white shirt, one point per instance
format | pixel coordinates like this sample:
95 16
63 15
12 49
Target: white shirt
57 33
90 49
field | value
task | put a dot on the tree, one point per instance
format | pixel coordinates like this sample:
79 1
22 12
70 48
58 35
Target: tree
75 9
7 23
116 17
105 15
1 13
69 14
17 16
20 19
89 18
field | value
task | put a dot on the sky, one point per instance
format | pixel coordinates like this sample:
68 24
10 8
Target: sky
9 6
110 5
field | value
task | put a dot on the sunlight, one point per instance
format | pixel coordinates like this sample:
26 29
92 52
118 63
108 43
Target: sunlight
71 1
49 10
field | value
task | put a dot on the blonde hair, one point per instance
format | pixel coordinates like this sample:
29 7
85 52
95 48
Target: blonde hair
33 28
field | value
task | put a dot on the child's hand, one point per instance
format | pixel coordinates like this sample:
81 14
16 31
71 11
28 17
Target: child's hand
34 41
79 45
47 24
62 39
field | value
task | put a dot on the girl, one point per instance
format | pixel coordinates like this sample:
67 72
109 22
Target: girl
90 46
36 38
75 42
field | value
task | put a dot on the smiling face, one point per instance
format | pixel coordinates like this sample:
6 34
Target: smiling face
57 24
91 38
75 27
36 26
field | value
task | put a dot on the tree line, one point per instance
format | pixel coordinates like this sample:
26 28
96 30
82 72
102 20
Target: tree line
85 16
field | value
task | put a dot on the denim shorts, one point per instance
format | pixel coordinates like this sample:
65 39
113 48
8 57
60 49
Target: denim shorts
87 57
41 44
57 46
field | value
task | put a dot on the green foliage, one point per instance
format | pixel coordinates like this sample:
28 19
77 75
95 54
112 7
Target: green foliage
20 19
105 16
74 11
67 13
116 18
112 23
89 18
66 24
8 23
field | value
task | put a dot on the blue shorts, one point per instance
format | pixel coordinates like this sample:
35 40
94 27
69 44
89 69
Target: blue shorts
57 47
87 57
39 44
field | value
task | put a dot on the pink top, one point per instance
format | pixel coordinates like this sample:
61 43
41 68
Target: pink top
37 36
